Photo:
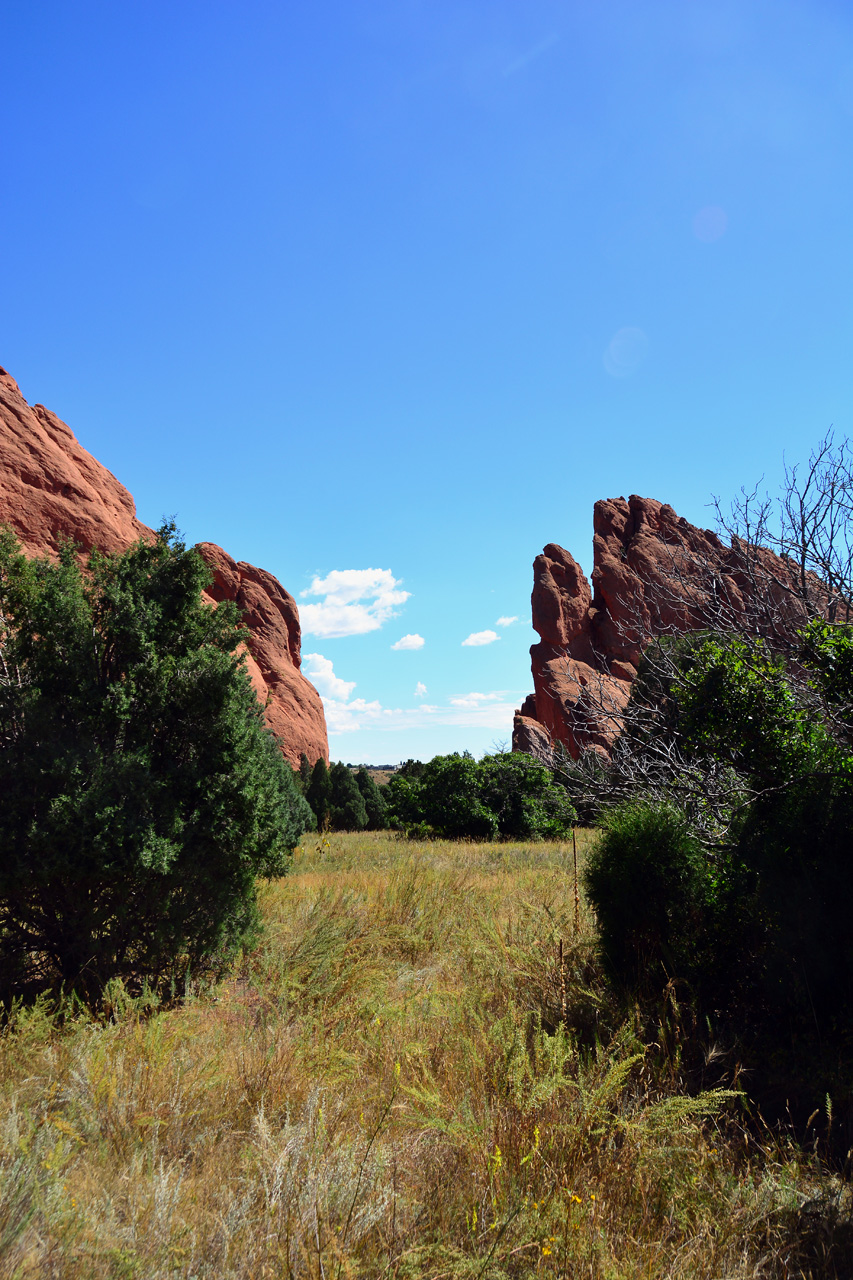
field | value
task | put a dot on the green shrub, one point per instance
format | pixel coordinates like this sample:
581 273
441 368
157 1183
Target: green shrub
142 793
648 882
524 798
758 921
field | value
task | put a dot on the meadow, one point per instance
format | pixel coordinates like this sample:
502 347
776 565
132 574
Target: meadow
418 1072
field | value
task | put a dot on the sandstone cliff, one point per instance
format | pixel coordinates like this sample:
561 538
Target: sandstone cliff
52 489
652 574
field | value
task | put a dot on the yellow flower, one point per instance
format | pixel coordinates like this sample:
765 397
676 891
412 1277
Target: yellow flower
545 1250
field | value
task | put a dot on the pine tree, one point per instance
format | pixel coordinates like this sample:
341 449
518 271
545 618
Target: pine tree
347 811
373 802
304 773
318 793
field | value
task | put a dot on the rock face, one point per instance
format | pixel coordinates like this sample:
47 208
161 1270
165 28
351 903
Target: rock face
294 710
52 489
651 576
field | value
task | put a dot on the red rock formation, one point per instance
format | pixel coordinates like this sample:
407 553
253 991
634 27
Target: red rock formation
294 710
52 489
652 572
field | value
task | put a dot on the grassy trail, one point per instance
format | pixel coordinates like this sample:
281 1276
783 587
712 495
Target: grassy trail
418 1073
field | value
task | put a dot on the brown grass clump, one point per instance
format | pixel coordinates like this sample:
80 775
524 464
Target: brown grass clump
417 1074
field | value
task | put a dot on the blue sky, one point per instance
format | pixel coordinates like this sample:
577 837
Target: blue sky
382 296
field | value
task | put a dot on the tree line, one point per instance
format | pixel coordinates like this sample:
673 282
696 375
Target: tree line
449 797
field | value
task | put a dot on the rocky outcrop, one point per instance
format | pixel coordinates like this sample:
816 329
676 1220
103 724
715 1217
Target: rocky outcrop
653 574
52 490
294 710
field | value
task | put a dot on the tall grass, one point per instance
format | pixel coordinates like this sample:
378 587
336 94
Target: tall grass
418 1073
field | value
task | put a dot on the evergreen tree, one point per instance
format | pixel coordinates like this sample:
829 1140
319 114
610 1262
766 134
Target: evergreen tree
319 792
142 793
347 810
373 802
304 773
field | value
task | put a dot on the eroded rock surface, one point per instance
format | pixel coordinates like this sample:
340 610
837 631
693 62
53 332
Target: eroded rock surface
652 573
294 710
51 489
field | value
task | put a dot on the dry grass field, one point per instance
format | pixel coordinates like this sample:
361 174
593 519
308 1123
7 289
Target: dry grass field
418 1073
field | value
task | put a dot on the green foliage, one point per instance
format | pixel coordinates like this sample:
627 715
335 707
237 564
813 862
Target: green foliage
828 654
735 703
374 804
318 793
527 803
650 886
759 923
142 793
456 797
347 810
410 769
304 773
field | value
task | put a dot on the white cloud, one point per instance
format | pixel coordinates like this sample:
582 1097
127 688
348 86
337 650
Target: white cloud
345 714
320 672
473 699
346 717
481 637
356 601
469 711
409 642
506 622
